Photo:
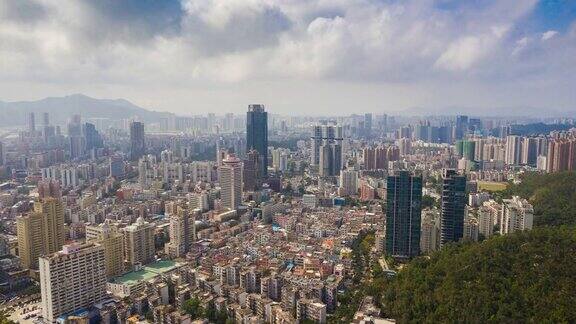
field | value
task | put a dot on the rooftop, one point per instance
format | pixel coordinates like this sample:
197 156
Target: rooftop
148 272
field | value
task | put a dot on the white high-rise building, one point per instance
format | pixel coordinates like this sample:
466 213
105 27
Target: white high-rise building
405 146
517 215
198 200
430 231
280 159
470 229
51 173
513 150
310 200
69 177
307 309
72 279
172 172
323 135
201 171
231 182
485 221
541 162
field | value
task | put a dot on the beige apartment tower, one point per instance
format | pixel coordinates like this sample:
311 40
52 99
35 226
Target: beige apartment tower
182 231
113 242
40 232
139 242
231 182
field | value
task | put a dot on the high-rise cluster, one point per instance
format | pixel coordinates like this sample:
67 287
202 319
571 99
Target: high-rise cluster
326 149
561 155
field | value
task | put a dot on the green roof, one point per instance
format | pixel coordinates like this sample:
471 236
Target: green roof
148 272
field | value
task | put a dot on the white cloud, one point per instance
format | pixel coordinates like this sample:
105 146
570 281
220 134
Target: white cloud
464 52
223 44
520 45
549 34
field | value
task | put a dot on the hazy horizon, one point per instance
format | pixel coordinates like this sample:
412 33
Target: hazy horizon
297 57
415 112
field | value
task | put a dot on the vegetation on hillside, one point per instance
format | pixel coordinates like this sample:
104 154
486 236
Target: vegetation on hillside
552 195
518 278
538 128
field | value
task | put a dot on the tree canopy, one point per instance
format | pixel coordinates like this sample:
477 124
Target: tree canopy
518 278
193 308
552 195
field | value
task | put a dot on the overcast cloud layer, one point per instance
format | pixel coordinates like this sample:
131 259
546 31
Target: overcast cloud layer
296 56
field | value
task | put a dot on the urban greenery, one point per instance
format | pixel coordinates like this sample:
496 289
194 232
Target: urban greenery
517 278
4 318
428 201
537 128
193 307
525 277
552 195
289 143
362 283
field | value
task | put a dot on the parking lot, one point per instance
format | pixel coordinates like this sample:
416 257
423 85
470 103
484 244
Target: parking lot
25 312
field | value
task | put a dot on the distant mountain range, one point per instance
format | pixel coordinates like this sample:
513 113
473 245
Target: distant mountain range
62 108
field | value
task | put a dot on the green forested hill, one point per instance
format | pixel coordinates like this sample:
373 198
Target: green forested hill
553 196
526 277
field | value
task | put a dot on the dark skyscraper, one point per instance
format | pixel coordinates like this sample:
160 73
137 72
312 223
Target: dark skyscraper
367 125
77 146
330 159
257 134
92 136
461 127
251 167
403 215
46 119
137 142
31 123
453 205
77 142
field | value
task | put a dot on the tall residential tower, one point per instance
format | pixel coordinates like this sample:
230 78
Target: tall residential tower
72 279
257 134
137 141
40 232
453 206
403 215
231 182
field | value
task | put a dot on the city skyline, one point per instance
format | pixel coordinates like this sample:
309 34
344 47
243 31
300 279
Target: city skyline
297 57
287 161
266 217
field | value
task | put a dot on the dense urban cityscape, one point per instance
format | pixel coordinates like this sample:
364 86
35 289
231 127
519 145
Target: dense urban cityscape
287 161
250 219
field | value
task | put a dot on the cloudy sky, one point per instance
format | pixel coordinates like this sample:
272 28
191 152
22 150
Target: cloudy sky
295 56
